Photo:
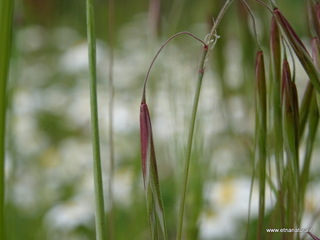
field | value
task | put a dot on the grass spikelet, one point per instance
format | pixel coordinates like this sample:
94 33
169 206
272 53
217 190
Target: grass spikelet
275 110
149 166
299 49
291 143
155 209
261 136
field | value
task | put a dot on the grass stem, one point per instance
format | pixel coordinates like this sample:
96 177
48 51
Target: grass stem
6 12
211 39
101 233
111 109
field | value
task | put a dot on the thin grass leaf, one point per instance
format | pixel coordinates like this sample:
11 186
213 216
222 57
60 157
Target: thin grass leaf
299 49
150 176
6 12
261 136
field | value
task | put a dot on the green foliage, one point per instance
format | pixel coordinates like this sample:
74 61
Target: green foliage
210 143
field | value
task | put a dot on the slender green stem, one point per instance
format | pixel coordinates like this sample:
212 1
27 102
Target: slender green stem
101 232
211 41
6 11
189 147
111 105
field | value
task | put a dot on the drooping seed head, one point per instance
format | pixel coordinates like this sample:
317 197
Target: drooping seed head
150 175
145 138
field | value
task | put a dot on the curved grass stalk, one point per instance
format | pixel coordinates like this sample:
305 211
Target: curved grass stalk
157 54
154 202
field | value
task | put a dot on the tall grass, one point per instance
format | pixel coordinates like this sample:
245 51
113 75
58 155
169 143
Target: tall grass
291 179
6 12
209 43
280 146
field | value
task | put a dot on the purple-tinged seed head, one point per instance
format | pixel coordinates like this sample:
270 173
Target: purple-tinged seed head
145 134
291 34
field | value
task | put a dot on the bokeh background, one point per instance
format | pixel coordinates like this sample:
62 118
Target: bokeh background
49 158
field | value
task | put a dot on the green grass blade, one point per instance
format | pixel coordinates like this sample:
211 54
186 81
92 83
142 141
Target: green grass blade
101 232
6 12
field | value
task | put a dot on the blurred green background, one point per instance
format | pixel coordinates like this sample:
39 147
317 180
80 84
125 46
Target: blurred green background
49 160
